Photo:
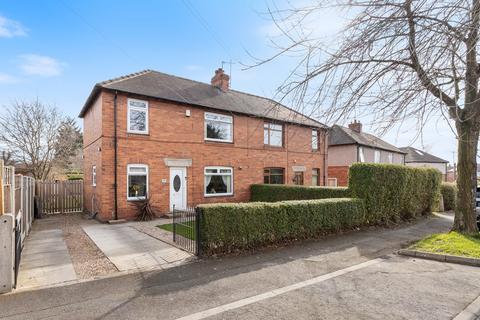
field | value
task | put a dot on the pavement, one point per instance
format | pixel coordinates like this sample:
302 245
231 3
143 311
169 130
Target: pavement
129 249
351 276
45 260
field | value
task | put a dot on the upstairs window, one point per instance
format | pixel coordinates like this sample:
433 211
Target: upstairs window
94 176
137 118
137 181
218 181
273 176
218 127
315 140
390 157
361 155
377 156
273 134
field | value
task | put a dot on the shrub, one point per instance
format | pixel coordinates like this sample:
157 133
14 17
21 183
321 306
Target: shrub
449 193
240 226
394 192
280 192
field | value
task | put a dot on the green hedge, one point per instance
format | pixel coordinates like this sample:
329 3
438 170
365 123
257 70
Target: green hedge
449 193
394 192
281 192
240 226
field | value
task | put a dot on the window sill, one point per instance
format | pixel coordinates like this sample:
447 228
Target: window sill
217 141
218 195
138 133
135 199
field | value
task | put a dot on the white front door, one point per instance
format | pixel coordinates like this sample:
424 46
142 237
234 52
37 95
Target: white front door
178 188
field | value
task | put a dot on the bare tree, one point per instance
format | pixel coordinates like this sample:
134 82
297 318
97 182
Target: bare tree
29 131
396 60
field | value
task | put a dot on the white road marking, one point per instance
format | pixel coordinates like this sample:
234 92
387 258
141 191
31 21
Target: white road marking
273 293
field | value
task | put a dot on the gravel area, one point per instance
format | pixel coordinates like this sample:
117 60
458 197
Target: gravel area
88 260
150 228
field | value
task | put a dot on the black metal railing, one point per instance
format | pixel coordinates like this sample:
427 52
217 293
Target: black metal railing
186 229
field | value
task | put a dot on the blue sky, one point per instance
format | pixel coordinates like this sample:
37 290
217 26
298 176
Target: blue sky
57 50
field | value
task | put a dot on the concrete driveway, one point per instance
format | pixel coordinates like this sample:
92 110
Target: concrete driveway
351 276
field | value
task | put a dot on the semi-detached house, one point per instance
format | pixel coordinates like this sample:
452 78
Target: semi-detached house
183 143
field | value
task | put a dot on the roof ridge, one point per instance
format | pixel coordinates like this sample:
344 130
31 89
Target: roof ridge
124 77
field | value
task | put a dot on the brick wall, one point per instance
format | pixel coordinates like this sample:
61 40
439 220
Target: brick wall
174 135
339 172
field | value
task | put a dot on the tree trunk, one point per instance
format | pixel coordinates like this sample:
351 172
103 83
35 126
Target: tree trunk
465 217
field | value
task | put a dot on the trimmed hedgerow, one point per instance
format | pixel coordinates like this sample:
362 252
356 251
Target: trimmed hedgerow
394 192
241 226
281 192
449 193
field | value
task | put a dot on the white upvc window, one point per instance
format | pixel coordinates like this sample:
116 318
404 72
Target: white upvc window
218 181
390 157
137 116
314 139
377 156
361 155
218 127
94 176
273 134
137 181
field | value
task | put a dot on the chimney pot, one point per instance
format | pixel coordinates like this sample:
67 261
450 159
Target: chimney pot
221 80
356 126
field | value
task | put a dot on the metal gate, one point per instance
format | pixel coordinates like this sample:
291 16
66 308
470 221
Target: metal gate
60 196
186 229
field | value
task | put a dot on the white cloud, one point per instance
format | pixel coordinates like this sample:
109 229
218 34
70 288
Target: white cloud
10 28
193 67
33 64
7 79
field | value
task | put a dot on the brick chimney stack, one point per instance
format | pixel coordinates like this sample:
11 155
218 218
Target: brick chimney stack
221 80
356 126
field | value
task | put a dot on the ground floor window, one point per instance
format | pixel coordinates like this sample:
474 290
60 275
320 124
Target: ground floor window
315 177
137 181
298 178
218 181
273 176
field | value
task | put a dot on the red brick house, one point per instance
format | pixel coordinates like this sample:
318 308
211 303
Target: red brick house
184 142
350 145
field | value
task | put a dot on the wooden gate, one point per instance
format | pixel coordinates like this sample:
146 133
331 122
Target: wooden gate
60 196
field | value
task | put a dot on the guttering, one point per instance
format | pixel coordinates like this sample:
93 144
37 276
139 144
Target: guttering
115 157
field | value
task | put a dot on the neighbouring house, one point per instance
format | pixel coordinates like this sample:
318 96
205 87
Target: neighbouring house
421 159
350 145
183 142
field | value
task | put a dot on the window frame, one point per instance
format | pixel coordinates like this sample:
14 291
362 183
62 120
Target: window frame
146 180
269 175
129 107
390 157
221 115
94 176
317 174
209 195
377 156
315 134
268 128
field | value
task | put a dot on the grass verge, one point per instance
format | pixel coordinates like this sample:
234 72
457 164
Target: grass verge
186 230
452 243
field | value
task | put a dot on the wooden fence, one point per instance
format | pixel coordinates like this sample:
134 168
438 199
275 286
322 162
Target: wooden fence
60 196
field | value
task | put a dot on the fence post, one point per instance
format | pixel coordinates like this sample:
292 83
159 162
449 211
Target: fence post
7 252
198 242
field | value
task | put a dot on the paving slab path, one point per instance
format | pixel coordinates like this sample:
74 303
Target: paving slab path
45 260
129 249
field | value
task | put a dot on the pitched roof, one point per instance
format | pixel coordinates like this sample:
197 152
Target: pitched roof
415 155
341 135
172 88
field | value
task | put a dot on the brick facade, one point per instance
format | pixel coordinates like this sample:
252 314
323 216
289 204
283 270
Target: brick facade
340 173
173 134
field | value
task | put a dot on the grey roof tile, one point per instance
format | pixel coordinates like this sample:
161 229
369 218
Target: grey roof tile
168 87
415 155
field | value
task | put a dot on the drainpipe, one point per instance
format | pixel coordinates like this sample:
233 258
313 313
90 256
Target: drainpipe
115 157
325 157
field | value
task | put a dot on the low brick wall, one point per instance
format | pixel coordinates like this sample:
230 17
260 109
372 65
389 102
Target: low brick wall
339 172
